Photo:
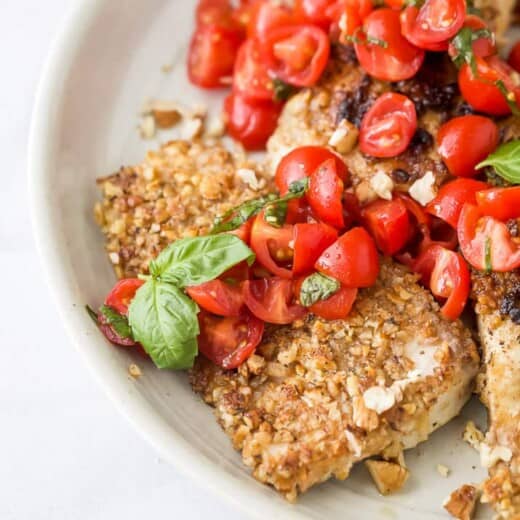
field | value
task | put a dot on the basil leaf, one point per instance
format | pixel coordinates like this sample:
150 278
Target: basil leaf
463 44
192 261
276 214
92 313
509 97
164 320
317 287
487 256
117 321
282 90
506 161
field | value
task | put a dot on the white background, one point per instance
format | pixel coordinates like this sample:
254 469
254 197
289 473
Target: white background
65 453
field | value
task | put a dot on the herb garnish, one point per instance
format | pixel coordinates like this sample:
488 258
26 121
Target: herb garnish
117 321
509 97
463 44
317 287
487 256
282 91
506 161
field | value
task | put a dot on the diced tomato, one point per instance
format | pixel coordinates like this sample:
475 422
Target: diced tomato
316 12
422 219
250 122
352 259
270 299
228 342
351 209
500 203
465 141
395 4
310 240
122 294
243 232
272 246
297 54
303 161
446 274
486 242
215 12
350 15
388 127
325 193
264 17
337 307
481 47
212 55
514 57
389 224
448 203
383 51
481 90
218 297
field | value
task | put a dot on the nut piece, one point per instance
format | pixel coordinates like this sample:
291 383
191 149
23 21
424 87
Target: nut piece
147 127
422 190
345 137
383 185
473 436
165 114
388 477
134 371
443 470
462 502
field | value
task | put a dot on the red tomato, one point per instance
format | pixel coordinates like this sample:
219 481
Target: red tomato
325 193
112 336
310 240
267 16
218 297
395 4
315 12
351 209
389 224
270 300
465 141
486 242
388 127
337 307
483 47
446 274
212 55
448 203
215 12
434 23
243 232
297 54
122 294
500 203
268 241
251 76
228 342
383 51
514 57
350 15
250 122
352 259
349 22
481 90
303 161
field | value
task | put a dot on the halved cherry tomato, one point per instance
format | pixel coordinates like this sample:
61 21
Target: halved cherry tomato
389 224
270 300
465 141
349 22
350 15
315 11
395 4
243 232
112 336
297 54
388 127
481 91
351 209
267 16
212 55
218 297
325 193
122 294
352 259
272 245
500 203
482 47
514 57
310 240
486 242
434 23
448 203
447 275
337 307
303 161
250 122
228 342
383 51
215 12
251 76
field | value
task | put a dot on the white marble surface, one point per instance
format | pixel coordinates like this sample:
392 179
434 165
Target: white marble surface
65 453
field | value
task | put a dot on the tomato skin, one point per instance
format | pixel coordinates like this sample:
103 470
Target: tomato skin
112 336
249 122
297 54
218 297
266 16
465 141
228 342
448 203
314 12
352 259
389 224
212 54
514 57
269 299
302 162
388 126
409 30
399 59
500 203
310 240
122 294
337 307
215 12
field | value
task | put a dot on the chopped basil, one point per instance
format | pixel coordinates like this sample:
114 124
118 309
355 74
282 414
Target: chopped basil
92 313
463 45
282 91
505 160
117 321
509 97
487 256
317 287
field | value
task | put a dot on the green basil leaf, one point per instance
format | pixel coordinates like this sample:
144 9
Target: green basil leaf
276 214
164 320
192 261
317 287
463 45
118 322
92 313
506 161
282 90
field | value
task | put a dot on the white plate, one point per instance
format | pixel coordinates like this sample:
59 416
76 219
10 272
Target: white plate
104 64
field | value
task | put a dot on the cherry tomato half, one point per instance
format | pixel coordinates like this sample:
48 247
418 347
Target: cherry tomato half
315 12
264 17
465 141
228 342
500 203
514 57
218 297
349 15
388 127
112 336
352 259
215 12
481 47
337 307
122 294
310 240
383 51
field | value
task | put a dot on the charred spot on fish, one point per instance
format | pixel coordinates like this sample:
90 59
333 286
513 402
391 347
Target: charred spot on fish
462 109
344 52
355 103
400 176
422 140
510 304
429 96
